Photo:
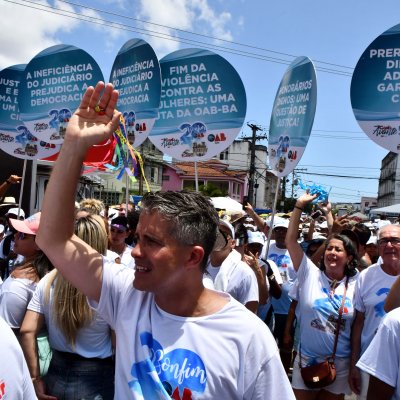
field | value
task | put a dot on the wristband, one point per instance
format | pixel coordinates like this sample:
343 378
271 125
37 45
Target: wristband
272 277
299 208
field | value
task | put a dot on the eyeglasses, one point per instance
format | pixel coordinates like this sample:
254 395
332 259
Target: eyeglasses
385 241
22 235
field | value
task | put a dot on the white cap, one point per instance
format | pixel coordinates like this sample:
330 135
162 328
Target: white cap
229 226
255 237
372 240
14 211
281 223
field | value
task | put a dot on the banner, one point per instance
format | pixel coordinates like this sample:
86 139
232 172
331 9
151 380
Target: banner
15 137
203 105
375 90
292 116
136 75
52 88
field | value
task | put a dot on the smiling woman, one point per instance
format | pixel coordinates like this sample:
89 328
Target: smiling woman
325 305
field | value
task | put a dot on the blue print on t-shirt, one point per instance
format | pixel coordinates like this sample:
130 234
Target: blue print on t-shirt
379 311
162 373
330 304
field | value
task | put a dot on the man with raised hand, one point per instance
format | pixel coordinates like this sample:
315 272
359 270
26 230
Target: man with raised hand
175 338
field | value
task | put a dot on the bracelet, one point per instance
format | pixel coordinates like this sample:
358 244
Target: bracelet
299 208
37 378
272 277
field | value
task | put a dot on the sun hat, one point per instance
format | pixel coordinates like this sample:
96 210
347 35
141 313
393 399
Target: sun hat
8 201
29 225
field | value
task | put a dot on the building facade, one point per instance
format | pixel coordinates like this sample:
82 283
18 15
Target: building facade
389 181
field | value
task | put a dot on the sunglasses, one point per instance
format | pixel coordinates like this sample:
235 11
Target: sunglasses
22 235
385 241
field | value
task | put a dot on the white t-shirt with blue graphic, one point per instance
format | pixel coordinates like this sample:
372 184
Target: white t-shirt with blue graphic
282 259
382 357
371 290
319 310
227 355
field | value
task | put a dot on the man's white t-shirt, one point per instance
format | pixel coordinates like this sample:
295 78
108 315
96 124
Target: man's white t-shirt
92 341
381 359
282 259
370 294
241 281
227 355
15 380
319 309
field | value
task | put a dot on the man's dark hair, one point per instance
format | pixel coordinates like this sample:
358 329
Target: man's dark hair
363 233
194 220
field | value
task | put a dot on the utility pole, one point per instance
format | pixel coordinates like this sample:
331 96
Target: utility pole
252 171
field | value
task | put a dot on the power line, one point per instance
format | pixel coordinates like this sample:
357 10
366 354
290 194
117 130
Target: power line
164 36
198 34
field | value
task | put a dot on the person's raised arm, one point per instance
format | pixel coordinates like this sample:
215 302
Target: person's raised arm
11 180
260 223
92 123
294 248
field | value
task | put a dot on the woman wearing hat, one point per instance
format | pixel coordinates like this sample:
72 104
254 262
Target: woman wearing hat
82 365
17 290
323 291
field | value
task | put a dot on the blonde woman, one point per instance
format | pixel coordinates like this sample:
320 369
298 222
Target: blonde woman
82 365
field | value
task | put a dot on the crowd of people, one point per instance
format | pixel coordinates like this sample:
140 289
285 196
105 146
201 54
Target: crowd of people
180 300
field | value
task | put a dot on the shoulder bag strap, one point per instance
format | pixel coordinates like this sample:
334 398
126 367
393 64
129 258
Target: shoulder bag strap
339 320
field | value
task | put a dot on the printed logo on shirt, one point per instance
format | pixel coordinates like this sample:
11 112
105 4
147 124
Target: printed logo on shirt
282 261
328 309
379 311
175 374
3 394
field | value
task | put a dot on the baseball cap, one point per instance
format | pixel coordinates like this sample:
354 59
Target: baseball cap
29 225
255 237
280 223
120 222
14 211
229 226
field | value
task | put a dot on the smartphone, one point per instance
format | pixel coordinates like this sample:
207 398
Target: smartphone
245 201
316 214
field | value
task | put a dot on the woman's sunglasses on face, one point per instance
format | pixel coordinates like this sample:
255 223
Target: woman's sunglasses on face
22 235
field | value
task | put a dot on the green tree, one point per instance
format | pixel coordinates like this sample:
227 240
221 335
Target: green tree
212 191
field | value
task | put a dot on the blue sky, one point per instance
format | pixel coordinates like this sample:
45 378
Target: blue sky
327 32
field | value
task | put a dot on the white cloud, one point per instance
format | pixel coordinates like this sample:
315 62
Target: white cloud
27 31
191 15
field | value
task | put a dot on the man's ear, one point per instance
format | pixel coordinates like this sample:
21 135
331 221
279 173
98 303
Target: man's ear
195 257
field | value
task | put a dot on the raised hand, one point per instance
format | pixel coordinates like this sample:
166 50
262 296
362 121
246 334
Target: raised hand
96 118
306 198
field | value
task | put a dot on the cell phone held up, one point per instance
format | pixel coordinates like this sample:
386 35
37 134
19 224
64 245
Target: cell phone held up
245 201
316 214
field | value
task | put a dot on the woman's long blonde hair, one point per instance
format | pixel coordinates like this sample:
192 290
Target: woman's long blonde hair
70 308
